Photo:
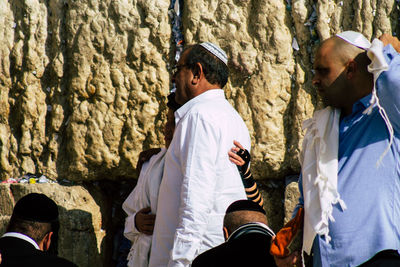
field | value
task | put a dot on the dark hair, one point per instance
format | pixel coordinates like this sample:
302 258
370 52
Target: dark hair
244 204
241 212
215 71
34 215
172 104
35 230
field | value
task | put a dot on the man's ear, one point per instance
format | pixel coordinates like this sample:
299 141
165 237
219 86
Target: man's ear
351 69
226 234
45 244
197 73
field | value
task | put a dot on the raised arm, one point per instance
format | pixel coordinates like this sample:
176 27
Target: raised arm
241 157
389 39
388 83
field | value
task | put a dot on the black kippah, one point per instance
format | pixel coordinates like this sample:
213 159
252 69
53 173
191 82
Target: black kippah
244 204
37 208
172 104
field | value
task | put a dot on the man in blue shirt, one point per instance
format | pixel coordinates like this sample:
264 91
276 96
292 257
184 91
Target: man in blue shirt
370 223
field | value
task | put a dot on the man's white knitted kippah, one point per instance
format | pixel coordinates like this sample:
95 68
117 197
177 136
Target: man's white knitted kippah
355 38
216 51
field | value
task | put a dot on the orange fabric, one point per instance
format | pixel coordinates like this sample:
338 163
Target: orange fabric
290 237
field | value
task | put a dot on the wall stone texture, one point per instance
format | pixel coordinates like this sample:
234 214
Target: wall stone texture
83 83
82 86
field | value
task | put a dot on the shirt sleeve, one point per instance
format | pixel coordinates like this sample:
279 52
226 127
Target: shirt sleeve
135 202
130 230
198 158
388 87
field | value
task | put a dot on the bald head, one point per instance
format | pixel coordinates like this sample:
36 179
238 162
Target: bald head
242 212
341 74
343 52
234 220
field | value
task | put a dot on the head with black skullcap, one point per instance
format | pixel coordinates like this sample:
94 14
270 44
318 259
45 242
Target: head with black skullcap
35 215
242 212
201 67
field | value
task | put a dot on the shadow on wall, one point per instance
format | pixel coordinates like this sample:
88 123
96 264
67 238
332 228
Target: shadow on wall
109 196
77 240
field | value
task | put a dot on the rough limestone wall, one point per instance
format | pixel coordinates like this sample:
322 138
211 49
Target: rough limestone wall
81 85
257 37
83 82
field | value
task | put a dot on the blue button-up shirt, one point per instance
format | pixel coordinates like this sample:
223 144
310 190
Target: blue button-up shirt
371 222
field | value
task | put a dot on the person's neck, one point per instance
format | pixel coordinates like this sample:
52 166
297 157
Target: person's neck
364 89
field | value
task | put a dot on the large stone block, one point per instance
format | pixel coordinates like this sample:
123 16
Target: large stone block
257 38
83 83
271 75
6 200
292 195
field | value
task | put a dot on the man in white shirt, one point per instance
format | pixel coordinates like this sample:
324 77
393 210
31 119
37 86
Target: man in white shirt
141 204
199 181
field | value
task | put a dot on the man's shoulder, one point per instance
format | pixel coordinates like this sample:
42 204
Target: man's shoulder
212 257
36 258
213 104
393 59
18 252
215 110
52 260
45 259
11 245
247 250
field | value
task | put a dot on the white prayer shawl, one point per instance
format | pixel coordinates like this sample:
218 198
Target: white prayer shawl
145 194
319 156
319 165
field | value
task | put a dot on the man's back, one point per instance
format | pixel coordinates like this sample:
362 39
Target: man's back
16 252
199 180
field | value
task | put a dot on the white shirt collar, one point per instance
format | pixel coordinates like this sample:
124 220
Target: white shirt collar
252 223
22 236
209 94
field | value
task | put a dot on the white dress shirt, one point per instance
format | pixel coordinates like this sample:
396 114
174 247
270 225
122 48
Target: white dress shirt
199 181
145 194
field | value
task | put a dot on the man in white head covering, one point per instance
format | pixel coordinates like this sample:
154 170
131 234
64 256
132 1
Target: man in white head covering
199 181
350 183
